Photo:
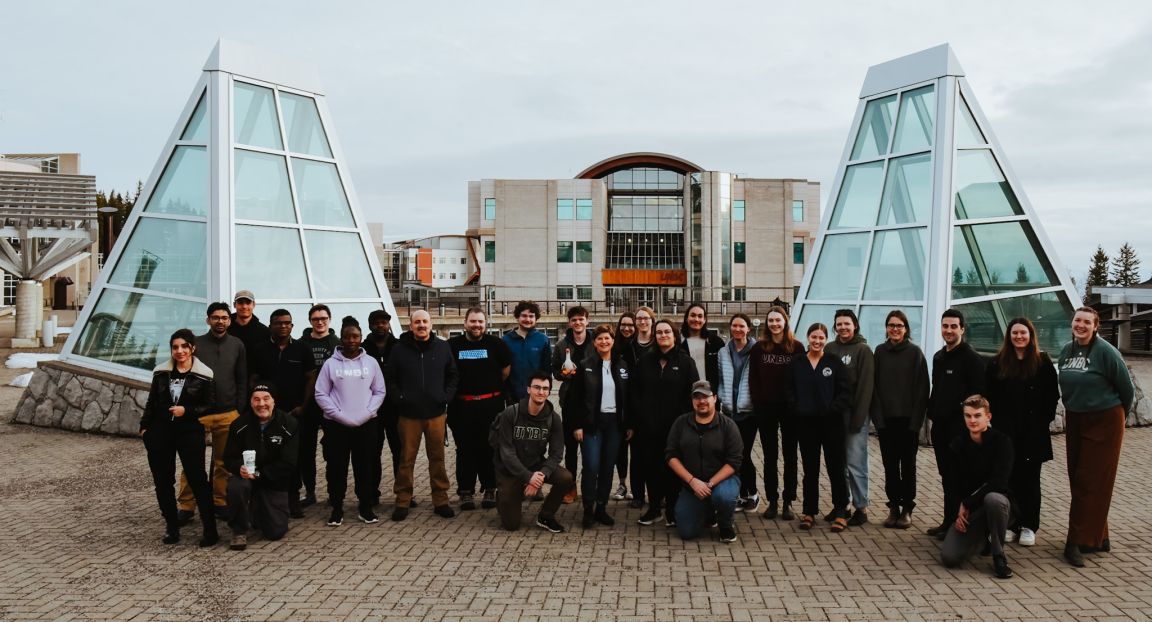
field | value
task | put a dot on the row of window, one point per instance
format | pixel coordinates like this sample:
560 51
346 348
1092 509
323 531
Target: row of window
463 260
620 258
564 252
583 209
574 292
445 275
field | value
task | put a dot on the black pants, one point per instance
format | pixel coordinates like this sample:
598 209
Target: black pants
386 434
749 426
342 443
942 435
1025 484
571 445
825 433
250 504
635 475
164 443
663 486
778 438
469 422
508 502
309 432
898 446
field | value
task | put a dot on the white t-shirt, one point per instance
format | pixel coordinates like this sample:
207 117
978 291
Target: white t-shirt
697 347
608 395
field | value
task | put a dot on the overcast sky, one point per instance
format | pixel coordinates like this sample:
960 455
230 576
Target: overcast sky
426 96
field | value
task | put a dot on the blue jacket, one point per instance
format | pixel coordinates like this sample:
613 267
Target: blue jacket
529 354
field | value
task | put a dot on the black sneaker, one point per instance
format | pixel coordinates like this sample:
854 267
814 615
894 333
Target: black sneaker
829 517
183 517
467 502
859 517
489 501
650 517
773 509
636 503
399 514
367 516
171 536
670 519
1000 567
603 517
209 540
550 524
728 534
336 518
308 499
786 512
443 511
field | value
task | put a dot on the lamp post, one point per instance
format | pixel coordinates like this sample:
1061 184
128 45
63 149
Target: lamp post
108 235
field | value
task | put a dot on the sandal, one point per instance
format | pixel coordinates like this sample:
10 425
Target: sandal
840 524
806 521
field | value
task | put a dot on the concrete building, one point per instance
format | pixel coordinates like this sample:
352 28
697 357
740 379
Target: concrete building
643 229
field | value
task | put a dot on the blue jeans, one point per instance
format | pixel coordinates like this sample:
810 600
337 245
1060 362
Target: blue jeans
856 449
692 513
600 447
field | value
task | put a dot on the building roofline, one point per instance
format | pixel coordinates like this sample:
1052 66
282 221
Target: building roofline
639 158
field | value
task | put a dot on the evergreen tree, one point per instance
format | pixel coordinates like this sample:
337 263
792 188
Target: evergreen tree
1126 267
1098 270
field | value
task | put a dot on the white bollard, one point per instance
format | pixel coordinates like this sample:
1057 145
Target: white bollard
48 333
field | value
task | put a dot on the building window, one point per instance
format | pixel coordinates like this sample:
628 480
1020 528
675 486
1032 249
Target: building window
583 209
584 293
583 252
452 275
564 252
738 210
797 211
489 209
645 251
646 213
564 293
738 252
798 253
739 294
563 209
464 261
490 251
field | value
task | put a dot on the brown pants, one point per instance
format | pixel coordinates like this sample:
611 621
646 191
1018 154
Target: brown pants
1093 440
511 493
217 426
410 431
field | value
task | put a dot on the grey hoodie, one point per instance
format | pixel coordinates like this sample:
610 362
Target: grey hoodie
526 444
858 360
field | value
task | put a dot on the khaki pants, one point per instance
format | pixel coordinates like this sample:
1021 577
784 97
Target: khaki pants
217 426
433 431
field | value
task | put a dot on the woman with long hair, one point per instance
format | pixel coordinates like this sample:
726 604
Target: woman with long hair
644 340
769 379
624 348
604 424
1098 393
1023 391
736 402
701 343
899 405
182 391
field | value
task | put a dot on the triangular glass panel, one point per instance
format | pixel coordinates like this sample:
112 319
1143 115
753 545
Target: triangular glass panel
838 270
320 193
825 314
859 196
872 322
197 129
981 189
302 122
262 191
1050 312
872 140
130 328
968 134
997 258
183 186
338 267
267 255
908 191
165 255
896 267
915 126
255 117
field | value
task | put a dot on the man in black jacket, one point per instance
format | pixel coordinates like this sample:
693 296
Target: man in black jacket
378 344
261 493
957 372
422 378
982 483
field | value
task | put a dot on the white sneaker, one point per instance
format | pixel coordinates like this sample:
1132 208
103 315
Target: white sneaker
1027 537
1009 536
751 504
621 493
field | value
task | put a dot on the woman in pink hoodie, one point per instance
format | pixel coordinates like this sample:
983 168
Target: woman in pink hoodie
350 389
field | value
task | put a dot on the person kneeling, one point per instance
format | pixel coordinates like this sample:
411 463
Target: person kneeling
260 495
704 451
529 440
986 456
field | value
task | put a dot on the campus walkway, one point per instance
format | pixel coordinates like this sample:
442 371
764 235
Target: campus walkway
80 539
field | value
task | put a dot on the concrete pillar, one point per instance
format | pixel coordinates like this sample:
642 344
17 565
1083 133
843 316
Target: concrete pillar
1124 327
29 309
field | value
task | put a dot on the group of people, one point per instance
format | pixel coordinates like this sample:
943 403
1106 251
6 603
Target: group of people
672 411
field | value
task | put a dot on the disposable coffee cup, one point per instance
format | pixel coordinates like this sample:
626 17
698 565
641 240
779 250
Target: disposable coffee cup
250 459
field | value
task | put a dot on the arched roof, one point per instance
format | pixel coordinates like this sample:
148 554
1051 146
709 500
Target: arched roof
632 160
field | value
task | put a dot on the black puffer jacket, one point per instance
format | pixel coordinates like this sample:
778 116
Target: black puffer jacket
592 369
661 394
197 397
421 377
277 447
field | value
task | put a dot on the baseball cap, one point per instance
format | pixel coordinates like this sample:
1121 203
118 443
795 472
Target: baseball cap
702 387
244 294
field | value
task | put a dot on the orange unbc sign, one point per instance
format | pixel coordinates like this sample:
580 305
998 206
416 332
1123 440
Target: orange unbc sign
644 277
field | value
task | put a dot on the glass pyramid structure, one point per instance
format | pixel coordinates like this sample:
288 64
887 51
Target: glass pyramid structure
926 214
250 192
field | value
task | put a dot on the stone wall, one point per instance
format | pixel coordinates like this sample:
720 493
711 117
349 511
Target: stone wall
74 398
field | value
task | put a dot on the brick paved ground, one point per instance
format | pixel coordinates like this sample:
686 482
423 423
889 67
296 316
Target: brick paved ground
79 539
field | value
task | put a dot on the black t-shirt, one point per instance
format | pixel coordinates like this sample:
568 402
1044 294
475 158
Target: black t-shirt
480 363
321 347
176 384
287 369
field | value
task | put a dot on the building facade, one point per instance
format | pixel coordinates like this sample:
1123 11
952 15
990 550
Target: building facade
643 229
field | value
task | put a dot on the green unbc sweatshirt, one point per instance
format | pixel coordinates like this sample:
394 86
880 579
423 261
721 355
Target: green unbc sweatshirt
1094 377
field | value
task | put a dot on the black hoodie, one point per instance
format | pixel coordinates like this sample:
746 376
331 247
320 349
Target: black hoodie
901 384
956 374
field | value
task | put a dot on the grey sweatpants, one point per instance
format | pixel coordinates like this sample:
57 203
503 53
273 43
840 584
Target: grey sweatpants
986 524
249 503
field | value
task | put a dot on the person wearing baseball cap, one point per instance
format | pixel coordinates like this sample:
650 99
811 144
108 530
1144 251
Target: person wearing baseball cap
245 325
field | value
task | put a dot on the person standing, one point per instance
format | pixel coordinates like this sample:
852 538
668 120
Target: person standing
570 352
529 446
661 389
423 379
483 362
530 350
605 423
626 349
957 372
769 381
182 392
899 404
853 351
820 396
644 341
245 326
701 343
349 390
226 357
736 401
704 451
321 341
378 344
1023 392
1097 391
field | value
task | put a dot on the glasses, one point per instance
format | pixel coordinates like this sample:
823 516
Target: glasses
219 318
318 319
897 326
643 319
540 388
